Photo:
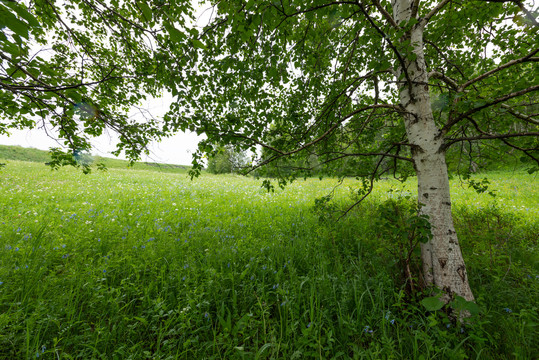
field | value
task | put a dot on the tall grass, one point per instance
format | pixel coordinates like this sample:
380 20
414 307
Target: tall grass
141 264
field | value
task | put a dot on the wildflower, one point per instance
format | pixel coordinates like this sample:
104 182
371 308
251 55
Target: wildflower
368 329
104 271
1 282
308 325
508 310
206 315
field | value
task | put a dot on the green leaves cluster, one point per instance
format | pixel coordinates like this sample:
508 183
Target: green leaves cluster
82 67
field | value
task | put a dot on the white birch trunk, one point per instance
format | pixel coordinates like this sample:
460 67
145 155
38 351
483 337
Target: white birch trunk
443 265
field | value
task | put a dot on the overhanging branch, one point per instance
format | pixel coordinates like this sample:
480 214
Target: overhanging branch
528 57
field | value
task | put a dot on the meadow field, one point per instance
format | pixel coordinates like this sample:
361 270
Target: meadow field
140 264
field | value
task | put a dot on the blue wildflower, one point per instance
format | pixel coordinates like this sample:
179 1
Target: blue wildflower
508 310
368 329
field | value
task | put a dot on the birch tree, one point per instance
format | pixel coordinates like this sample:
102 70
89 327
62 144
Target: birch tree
388 85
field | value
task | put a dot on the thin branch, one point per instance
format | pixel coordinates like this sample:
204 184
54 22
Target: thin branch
415 9
520 115
345 155
367 193
519 3
385 14
438 75
502 99
528 57
488 136
321 137
391 45
434 11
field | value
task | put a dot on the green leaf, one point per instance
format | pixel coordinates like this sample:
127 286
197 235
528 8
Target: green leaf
199 44
432 303
464 305
146 10
23 13
175 34
7 19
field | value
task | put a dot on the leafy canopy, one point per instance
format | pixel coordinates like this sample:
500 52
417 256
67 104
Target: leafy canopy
319 80
81 66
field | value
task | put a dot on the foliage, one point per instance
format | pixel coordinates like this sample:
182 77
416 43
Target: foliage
317 81
151 265
227 161
79 67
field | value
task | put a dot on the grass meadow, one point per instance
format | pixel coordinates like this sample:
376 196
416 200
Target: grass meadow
139 264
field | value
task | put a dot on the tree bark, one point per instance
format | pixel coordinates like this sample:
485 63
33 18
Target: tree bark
443 265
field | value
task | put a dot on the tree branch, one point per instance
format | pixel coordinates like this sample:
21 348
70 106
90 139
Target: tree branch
488 136
438 75
528 57
451 123
385 14
519 115
321 137
521 6
434 11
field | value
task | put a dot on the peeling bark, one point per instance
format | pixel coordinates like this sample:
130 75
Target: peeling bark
443 265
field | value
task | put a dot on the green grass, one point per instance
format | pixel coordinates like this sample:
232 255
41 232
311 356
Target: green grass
143 264
18 153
